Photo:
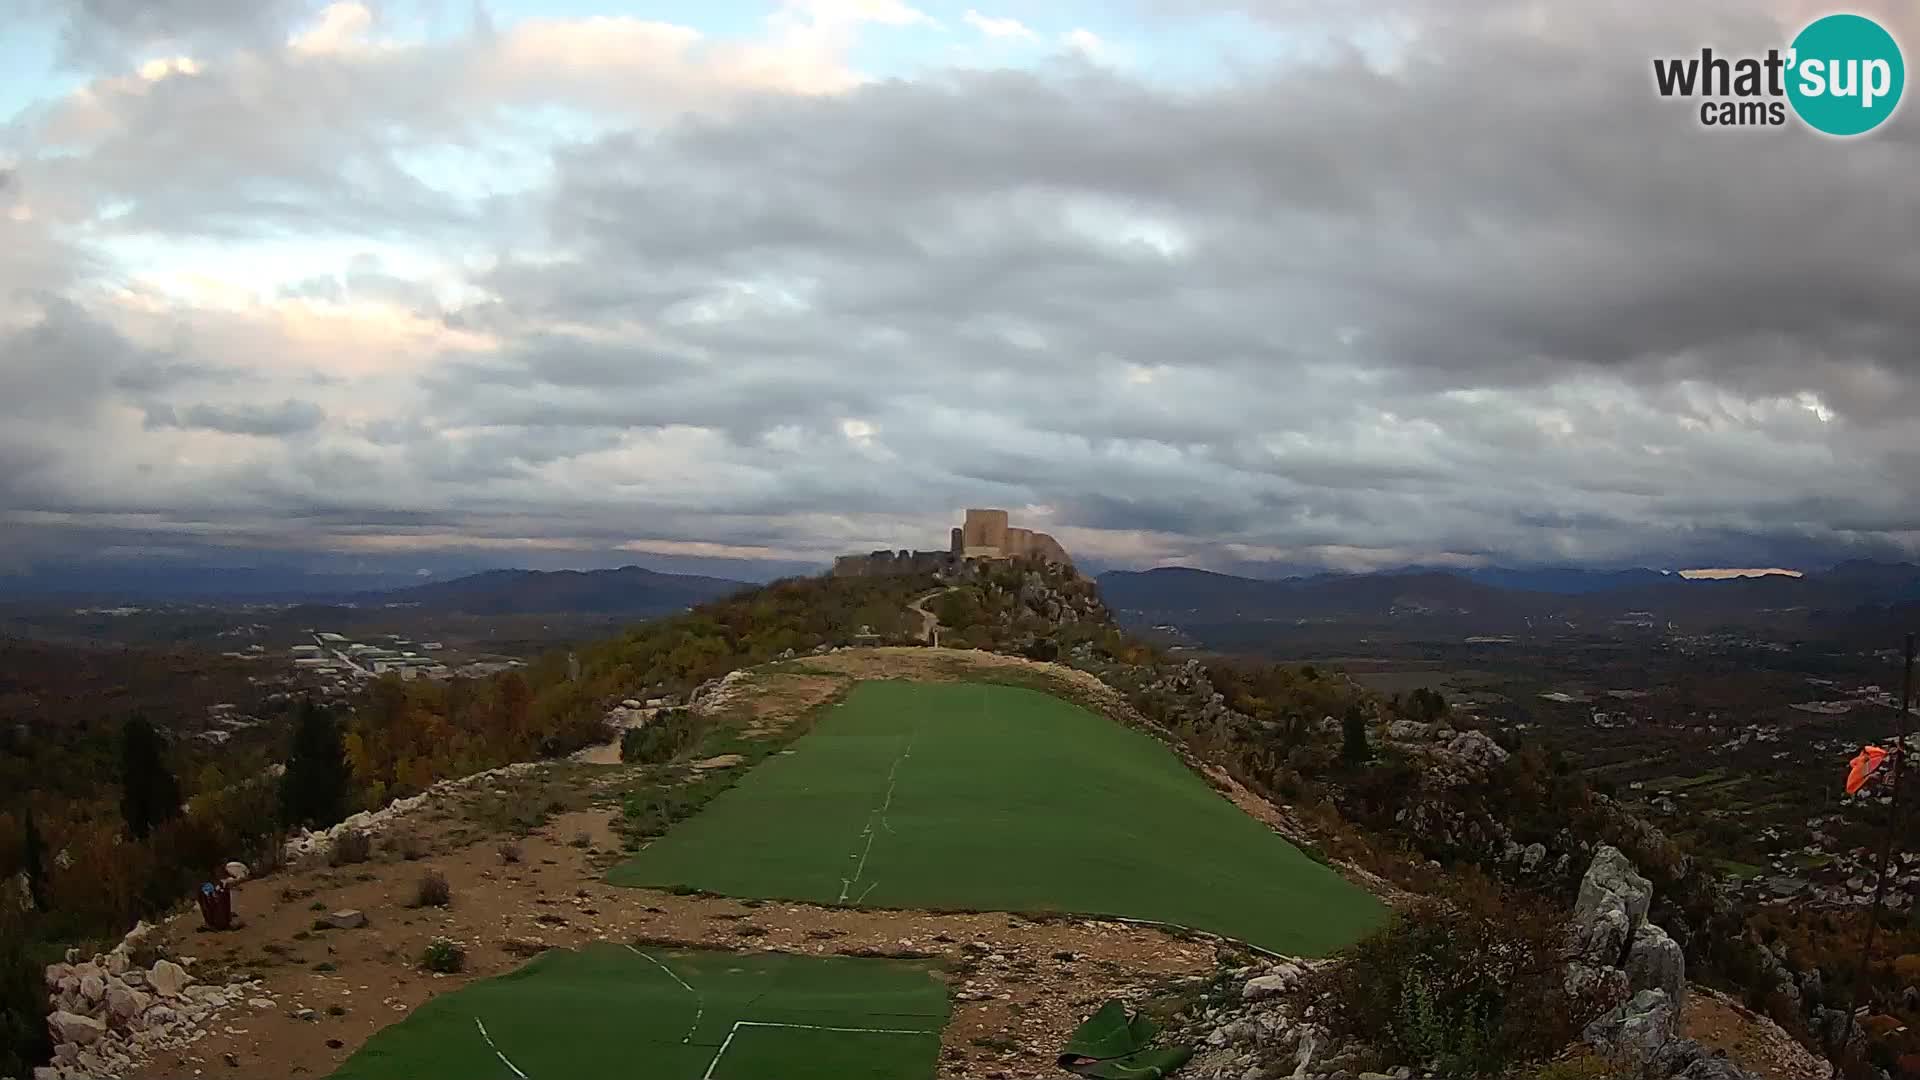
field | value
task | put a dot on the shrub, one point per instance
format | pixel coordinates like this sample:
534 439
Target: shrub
446 957
671 732
1472 983
351 846
509 852
23 998
407 845
433 890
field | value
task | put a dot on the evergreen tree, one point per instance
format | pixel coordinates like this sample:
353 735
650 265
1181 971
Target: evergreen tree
1353 730
149 794
33 858
314 790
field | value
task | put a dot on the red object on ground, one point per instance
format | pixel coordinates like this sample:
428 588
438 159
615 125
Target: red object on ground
1864 765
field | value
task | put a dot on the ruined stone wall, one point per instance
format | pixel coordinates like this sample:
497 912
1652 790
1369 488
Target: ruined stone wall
883 563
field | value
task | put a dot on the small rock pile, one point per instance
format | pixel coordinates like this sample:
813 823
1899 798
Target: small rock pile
716 694
1249 1030
310 844
109 1014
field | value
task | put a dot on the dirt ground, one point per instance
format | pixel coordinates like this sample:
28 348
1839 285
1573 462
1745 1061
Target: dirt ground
1750 1041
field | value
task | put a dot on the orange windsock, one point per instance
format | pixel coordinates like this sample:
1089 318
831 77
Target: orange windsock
1864 765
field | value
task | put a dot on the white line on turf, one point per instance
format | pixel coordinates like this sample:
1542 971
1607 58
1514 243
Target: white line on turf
735 1030
496 1050
699 1002
893 778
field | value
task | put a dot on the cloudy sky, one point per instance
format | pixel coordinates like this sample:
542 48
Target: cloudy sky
1253 285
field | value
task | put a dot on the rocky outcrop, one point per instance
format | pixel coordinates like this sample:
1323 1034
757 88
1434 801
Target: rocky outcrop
1616 951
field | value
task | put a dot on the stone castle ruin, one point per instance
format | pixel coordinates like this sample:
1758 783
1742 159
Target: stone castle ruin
985 536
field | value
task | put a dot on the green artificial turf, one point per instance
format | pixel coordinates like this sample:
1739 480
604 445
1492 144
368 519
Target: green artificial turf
964 796
613 1011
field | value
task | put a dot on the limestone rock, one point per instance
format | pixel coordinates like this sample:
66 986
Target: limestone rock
124 1003
168 979
76 1029
1265 986
348 919
1655 962
237 871
1407 731
1601 935
1531 856
1612 904
1475 748
1637 1029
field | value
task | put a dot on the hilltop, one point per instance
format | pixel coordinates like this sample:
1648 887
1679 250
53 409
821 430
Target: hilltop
628 590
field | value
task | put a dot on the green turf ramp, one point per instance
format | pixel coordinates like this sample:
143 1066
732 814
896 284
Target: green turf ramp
979 797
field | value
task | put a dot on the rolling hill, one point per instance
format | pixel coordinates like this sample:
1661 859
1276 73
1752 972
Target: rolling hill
629 590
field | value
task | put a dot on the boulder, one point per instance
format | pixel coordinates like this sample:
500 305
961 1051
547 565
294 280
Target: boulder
124 1003
1531 856
1475 748
348 919
1636 1030
1407 731
237 871
168 979
1612 904
73 1028
93 986
1655 962
1265 986
1602 934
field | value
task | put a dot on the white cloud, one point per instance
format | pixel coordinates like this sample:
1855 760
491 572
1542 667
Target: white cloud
1087 43
341 27
1000 27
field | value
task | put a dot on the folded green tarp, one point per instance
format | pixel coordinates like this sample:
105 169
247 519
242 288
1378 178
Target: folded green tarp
1113 1046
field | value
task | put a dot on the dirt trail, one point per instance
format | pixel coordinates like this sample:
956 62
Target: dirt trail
929 622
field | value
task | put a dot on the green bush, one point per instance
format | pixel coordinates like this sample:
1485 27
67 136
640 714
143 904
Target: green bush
446 957
1470 985
670 733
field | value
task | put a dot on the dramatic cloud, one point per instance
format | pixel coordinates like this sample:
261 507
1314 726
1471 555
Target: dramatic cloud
1433 284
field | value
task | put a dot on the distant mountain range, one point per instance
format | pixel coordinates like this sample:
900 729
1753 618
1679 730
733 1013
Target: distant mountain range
1498 601
628 590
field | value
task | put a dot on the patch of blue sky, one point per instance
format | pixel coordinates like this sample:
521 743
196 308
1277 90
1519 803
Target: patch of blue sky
29 73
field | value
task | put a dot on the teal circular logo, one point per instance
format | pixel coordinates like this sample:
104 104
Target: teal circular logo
1846 74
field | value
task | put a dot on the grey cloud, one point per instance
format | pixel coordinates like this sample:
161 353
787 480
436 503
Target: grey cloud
97 32
1489 297
287 418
